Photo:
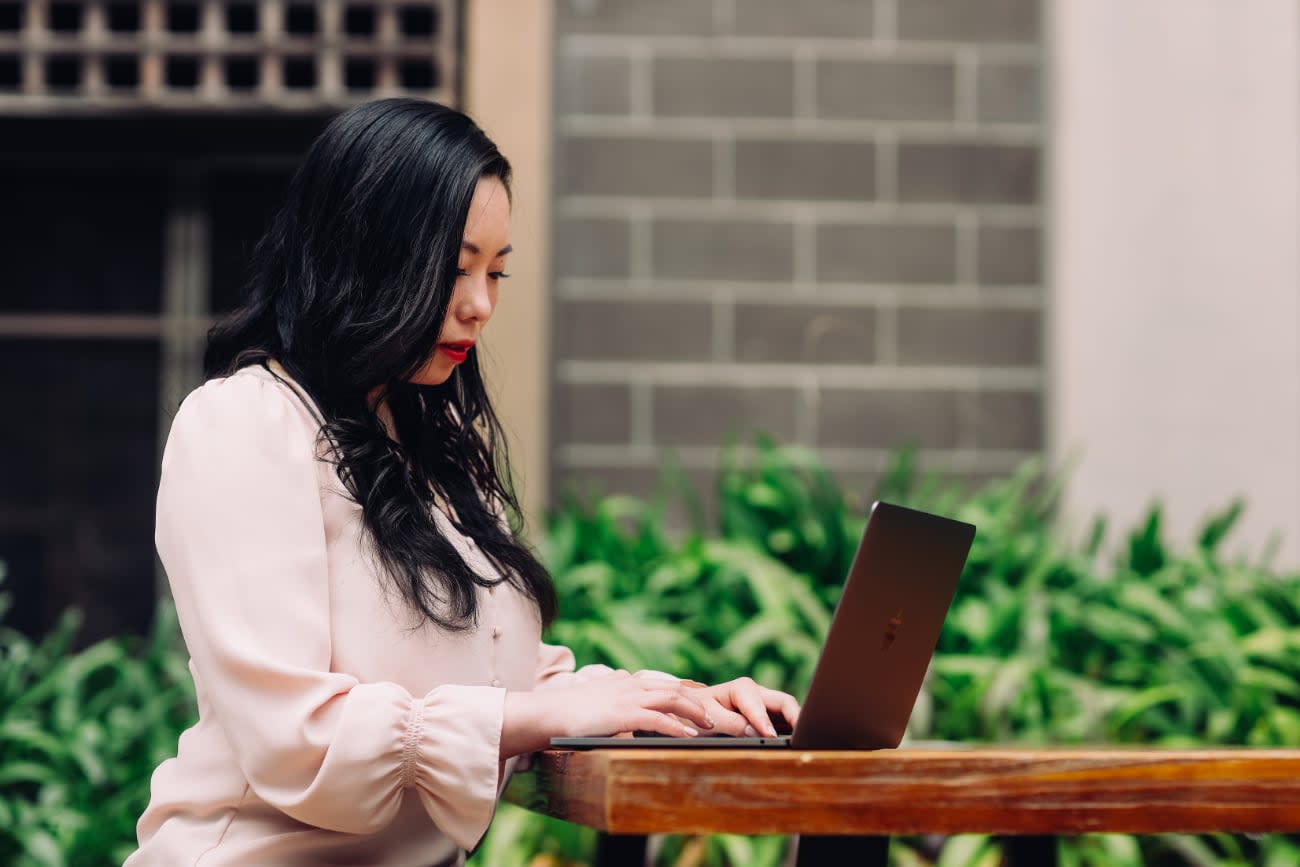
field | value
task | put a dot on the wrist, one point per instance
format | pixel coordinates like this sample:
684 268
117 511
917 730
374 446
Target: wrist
526 727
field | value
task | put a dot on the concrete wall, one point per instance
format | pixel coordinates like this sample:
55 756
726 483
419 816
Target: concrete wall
513 104
1176 315
820 219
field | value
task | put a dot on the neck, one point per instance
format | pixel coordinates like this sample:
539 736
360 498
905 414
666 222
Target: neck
378 404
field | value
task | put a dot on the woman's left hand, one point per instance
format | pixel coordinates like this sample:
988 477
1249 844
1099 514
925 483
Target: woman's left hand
741 707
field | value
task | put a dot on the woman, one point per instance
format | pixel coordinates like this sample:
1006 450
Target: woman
363 624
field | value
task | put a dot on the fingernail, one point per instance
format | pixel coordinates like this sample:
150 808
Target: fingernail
690 731
708 720
771 732
751 732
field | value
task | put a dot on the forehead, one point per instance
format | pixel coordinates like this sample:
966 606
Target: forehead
488 219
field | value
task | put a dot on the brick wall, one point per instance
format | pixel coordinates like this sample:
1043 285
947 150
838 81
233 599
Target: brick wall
818 219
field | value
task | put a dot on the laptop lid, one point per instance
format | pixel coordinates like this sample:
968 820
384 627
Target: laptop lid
884 630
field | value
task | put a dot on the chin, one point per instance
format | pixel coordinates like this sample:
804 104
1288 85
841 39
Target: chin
435 372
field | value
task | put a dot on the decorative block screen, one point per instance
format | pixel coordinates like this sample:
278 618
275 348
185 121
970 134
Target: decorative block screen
224 54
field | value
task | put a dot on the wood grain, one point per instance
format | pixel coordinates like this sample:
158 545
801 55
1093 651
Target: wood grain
907 791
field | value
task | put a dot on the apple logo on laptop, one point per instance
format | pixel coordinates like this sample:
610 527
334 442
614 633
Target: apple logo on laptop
894 624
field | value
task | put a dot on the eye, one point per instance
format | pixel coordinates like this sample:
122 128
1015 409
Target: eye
461 272
498 275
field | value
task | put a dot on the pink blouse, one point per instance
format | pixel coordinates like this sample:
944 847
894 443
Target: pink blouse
331 729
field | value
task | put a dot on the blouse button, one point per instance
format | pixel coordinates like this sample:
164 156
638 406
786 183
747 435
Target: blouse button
496 682
496 631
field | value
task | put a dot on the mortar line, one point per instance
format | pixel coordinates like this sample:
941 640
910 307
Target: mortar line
967 72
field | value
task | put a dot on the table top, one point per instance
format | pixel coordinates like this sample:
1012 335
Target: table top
916 790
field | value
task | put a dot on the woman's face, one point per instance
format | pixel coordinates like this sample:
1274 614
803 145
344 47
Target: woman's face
483 252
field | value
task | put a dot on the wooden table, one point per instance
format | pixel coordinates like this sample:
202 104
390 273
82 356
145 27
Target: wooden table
845 804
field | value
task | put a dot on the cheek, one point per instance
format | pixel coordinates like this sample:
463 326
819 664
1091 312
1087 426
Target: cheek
456 303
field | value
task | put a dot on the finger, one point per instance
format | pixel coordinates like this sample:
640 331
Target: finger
726 721
748 700
610 675
664 724
781 702
675 700
721 700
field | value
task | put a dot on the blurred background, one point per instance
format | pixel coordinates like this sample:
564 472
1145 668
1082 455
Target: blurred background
1045 250
991 229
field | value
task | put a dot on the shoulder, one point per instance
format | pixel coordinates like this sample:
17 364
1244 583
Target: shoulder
251 407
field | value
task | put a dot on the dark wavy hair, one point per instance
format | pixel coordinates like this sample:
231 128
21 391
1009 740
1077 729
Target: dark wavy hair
348 290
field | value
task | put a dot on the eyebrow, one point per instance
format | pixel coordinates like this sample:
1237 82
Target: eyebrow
473 248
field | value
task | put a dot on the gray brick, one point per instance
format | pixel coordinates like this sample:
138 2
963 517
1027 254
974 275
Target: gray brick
636 167
1010 255
969 20
593 85
623 330
886 90
969 336
888 419
723 87
968 173
967 481
592 413
1006 420
592 247
898 253
1009 93
723 250
592 482
803 333
972 481
842 18
707 415
805 170
635 17
646 483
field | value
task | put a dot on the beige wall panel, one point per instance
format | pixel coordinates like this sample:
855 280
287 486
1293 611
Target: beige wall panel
1175 328
508 91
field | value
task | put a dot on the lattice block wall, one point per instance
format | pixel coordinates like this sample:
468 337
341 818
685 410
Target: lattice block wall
224 54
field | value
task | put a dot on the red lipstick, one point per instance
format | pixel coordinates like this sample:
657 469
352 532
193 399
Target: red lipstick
457 352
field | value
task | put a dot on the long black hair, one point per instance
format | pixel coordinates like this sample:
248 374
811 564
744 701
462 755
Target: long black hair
348 291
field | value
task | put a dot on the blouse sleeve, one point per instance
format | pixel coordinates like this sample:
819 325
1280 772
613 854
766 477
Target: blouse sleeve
555 667
241 535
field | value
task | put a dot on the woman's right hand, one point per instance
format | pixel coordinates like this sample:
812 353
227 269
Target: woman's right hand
602 705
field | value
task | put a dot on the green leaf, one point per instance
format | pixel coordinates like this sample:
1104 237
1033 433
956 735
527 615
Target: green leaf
964 850
41 847
16 772
1218 526
1267 680
1132 708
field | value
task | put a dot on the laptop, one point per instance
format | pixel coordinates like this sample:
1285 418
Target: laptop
879 645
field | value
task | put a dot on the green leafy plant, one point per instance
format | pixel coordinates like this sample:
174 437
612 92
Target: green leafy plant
80 735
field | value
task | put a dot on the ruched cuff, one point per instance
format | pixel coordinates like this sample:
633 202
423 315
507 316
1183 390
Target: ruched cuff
451 755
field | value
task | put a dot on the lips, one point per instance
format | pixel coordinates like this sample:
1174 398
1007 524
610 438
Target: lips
457 352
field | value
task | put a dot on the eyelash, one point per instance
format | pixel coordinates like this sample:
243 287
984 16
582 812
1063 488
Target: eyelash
495 275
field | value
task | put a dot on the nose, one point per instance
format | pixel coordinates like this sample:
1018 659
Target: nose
473 302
